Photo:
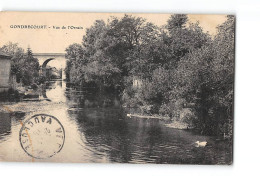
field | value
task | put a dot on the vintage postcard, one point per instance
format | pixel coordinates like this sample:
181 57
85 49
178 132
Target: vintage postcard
116 88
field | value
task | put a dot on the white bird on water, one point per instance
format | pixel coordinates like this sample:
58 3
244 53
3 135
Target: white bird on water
129 115
201 144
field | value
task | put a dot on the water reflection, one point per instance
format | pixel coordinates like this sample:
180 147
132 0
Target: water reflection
98 130
53 91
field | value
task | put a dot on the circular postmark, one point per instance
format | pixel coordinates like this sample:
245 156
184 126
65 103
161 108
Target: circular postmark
42 136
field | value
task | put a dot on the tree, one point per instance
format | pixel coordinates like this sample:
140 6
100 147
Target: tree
99 67
131 35
177 21
74 56
206 77
112 52
183 37
30 69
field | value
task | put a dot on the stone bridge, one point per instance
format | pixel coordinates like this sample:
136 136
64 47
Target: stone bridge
45 58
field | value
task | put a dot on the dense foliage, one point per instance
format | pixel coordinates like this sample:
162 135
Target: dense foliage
23 65
178 67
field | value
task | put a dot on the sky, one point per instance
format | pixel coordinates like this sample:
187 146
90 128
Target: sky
53 40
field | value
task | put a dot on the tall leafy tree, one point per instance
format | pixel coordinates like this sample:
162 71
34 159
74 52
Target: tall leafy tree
30 68
75 58
205 77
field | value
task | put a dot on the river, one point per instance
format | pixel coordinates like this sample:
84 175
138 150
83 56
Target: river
98 131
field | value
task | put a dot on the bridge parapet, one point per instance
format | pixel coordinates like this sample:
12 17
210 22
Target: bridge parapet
42 57
45 58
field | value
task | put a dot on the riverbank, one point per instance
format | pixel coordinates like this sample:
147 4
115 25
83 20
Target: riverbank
171 124
31 106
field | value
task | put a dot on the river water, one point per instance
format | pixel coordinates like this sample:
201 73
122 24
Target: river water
98 130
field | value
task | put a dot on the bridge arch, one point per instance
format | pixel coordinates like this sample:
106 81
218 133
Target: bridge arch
44 66
46 62
45 58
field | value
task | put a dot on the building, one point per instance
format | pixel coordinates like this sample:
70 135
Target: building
5 70
137 82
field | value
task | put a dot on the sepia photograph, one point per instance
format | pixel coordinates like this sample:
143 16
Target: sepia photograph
117 88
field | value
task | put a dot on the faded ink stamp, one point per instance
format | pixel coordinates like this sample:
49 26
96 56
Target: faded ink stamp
42 136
